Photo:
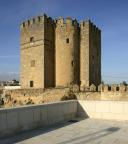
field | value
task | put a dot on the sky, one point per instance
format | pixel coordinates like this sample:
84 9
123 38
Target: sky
111 16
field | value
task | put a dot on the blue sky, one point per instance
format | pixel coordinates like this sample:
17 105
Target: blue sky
111 16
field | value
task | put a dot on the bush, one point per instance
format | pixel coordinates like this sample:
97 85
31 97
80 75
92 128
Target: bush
68 96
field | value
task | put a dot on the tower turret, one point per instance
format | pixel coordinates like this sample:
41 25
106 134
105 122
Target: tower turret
90 54
67 52
37 52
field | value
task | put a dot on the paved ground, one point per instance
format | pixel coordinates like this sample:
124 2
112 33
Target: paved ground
89 131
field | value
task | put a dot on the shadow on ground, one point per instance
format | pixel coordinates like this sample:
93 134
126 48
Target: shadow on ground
92 136
36 132
77 140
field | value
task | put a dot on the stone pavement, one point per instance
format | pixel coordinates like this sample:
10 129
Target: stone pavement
88 131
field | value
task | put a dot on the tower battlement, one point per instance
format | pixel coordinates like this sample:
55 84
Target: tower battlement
68 21
37 20
32 21
84 23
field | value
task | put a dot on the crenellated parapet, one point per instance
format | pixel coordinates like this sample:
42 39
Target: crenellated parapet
93 27
105 88
32 21
113 88
37 20
61 22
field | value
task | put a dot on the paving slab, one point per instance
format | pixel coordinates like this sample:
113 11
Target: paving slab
88 131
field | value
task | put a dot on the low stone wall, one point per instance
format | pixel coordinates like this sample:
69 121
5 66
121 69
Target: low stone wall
14 120
34 92
114 95
112 110
88 95
19 119
103 96
33 96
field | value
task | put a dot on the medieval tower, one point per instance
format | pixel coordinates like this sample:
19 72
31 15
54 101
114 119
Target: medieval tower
59 52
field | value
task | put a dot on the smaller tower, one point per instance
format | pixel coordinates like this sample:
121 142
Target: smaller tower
90 54
67 52
37 53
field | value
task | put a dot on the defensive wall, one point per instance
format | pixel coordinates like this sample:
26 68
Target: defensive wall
111 110
38 96
18 97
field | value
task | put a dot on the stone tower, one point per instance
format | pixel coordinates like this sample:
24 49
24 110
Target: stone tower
37 53
90 54
59 53
67 52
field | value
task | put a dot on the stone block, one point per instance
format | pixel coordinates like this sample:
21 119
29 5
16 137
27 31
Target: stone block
116 107
114 88
75 88
37 114
3 121
87 106
106 88
122 88
102 107
44 115
52 113
101 87
125 105
12 119
26 118
92 87
82 88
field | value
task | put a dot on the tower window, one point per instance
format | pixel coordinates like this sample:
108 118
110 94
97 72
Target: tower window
32 63
72 63
31 39
67 40
31 84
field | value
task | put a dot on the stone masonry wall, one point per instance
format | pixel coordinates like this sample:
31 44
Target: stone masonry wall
67 52
33 96
32 50
94 55
59 53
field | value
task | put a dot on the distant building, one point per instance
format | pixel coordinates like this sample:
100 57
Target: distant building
9 83
59 53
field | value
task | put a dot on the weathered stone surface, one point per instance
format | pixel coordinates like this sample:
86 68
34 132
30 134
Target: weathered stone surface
37 53
82 88
75 88
90 54
106 87
122 88
101 87
114 87
59 53
92 87
30 117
